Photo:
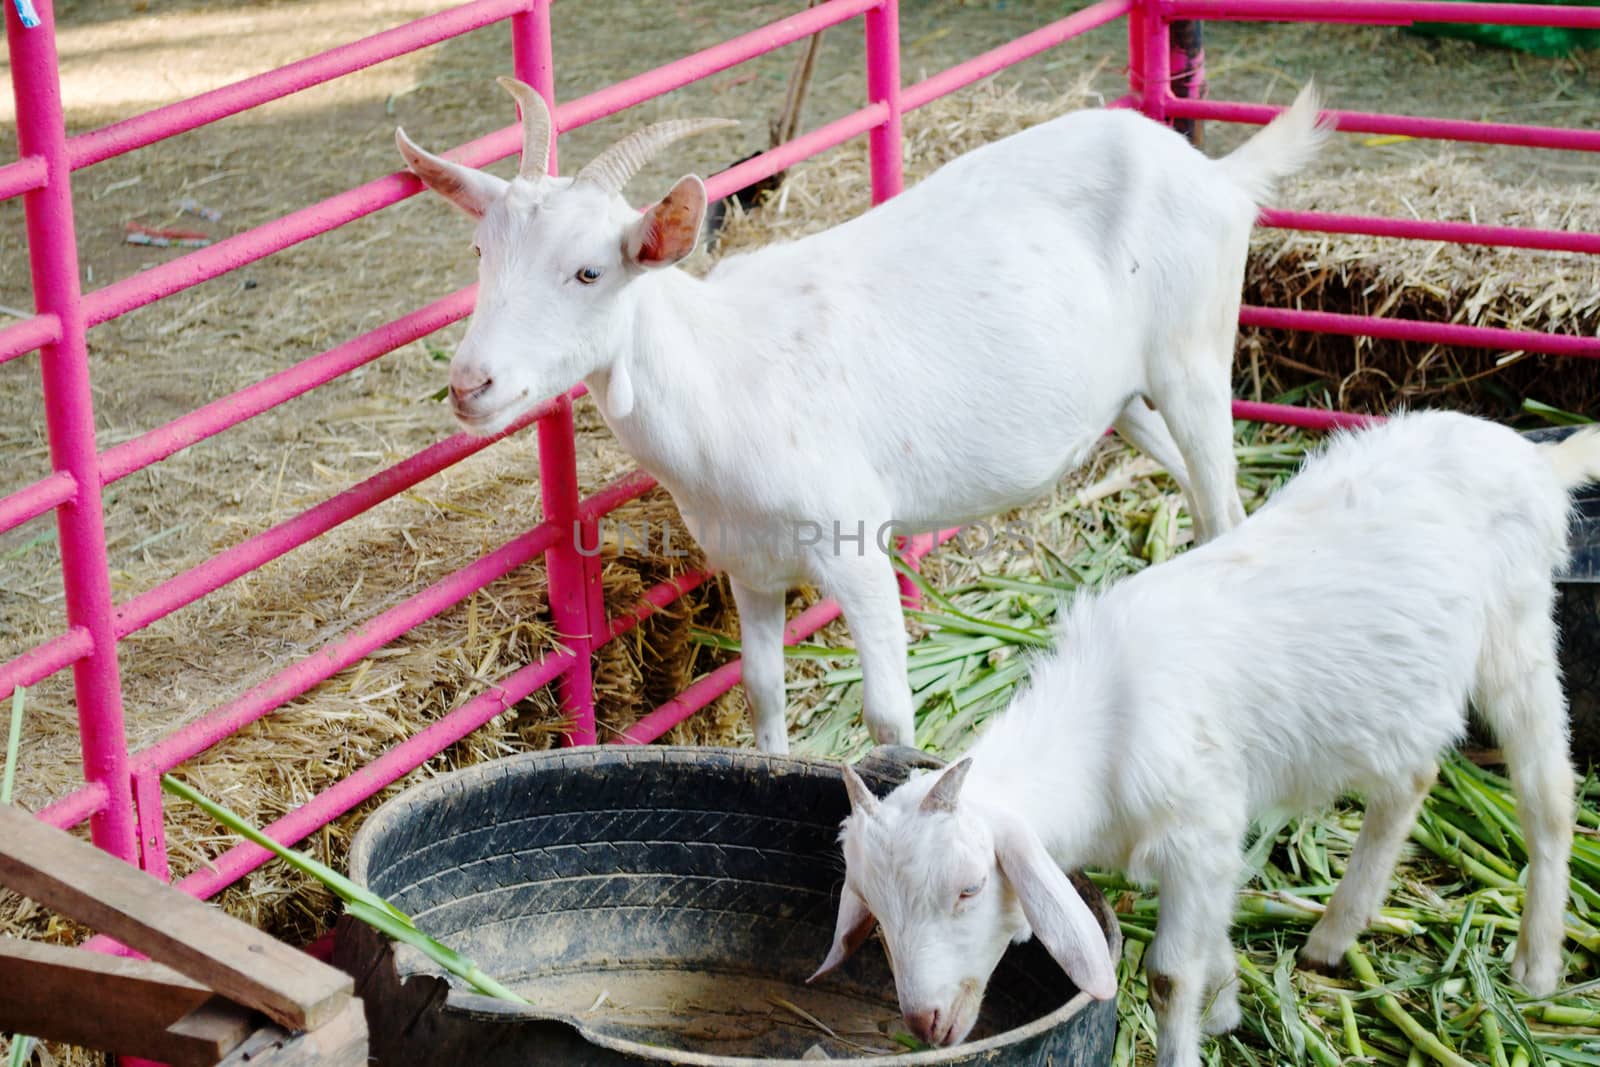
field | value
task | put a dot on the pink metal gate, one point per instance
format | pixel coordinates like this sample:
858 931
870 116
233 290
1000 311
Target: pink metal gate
121 796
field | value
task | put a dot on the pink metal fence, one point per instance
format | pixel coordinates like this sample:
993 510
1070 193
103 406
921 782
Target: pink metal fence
121 796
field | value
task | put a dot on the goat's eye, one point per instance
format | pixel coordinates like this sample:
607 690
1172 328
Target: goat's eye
477 251
972 890
588 275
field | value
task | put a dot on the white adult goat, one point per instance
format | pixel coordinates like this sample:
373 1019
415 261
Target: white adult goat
944 357
1330 643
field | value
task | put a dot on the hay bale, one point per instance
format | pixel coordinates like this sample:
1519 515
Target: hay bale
1349 273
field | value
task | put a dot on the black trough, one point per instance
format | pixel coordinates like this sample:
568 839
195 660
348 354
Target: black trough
660 905
1578 614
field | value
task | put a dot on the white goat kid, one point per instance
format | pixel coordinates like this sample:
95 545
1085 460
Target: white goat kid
1330 643
944 357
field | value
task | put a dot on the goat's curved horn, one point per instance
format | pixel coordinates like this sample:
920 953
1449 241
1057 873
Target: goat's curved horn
611 169
535 128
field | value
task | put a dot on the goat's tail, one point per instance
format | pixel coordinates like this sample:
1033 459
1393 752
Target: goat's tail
1575 458
1284 146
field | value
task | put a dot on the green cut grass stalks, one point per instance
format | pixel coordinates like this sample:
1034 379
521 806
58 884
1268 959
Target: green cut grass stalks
359 902
21 1044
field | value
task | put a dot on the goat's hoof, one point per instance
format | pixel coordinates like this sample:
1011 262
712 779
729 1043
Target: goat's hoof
1538 978
1223 1015
1336 968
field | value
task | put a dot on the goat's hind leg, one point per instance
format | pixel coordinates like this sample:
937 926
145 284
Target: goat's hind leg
1142 426
1519 697
1390 816
868 595
1195 400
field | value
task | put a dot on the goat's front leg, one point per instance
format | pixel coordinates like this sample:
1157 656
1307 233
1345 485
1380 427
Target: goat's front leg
761 617
865 587
1197 889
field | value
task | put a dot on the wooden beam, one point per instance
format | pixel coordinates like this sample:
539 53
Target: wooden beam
115 1004
199 941
342 1042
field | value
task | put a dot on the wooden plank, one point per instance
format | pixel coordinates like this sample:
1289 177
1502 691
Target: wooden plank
342 1042
115 1004
199 941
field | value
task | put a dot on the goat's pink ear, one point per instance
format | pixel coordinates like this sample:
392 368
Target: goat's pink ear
850 931
470 190
1060 919
668 231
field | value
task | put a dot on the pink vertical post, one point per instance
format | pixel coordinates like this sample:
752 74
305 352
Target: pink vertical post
1154 76
69 420
576 606
883 86
574 585
533 59
884 152
1136 52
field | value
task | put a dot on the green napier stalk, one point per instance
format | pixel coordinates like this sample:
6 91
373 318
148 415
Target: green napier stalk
360 903
21 1044
1422 1040
13 743
1352 1031
1295 1026
1494 1039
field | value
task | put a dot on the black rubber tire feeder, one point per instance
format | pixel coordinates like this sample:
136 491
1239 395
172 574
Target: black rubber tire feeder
695 887
1578 617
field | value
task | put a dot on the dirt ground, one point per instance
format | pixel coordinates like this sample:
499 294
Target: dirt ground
120 57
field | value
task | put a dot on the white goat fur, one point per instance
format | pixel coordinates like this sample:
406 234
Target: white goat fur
1330 643
946 356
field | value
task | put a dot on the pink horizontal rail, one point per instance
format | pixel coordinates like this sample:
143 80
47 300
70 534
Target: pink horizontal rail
708 688
1382 12
381 772
727 182
1407 125
81 804
188 586
163 122
718 57
1439 333
655 598
1013 52
24 175
29 334
614 494
41 661
231 253
1434 230
197 425
241 249
1305 418
336 655
48 492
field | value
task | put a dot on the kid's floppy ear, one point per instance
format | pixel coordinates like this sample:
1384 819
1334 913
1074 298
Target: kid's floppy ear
1060 919
668 231
854 925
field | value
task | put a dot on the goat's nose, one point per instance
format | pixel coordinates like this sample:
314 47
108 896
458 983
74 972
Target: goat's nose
924 1025
466 384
